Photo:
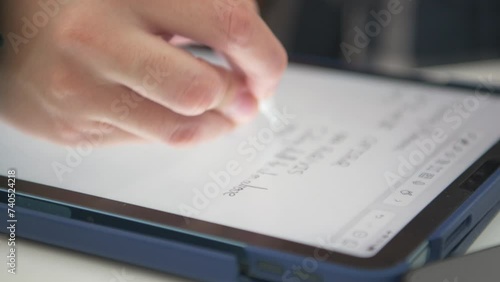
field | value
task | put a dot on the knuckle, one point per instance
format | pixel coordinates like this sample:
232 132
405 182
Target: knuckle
240 25
198 95
73 30
72 35
61 83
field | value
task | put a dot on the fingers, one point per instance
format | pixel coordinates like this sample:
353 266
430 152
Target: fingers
240 108
167 75
230 26
102 134
176 80
152 121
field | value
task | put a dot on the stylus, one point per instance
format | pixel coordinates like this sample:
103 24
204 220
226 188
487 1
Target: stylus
266 107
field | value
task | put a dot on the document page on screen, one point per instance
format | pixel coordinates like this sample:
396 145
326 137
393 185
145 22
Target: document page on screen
342 161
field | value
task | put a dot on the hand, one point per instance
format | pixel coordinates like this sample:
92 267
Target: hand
73 70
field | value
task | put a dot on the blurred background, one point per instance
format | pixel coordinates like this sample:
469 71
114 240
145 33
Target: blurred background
388 34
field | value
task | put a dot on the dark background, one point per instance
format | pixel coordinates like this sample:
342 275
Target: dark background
426 32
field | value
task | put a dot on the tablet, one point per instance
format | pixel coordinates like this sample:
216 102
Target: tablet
344 171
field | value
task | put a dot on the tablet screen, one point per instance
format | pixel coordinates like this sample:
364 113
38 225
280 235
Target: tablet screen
342 161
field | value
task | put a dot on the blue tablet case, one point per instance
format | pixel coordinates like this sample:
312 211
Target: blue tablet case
448 239
207 264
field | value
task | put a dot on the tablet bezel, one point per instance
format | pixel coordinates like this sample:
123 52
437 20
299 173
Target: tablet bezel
109 212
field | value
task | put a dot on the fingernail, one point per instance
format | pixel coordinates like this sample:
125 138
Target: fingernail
242 108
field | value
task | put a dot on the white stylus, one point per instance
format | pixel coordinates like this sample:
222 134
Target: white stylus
267 108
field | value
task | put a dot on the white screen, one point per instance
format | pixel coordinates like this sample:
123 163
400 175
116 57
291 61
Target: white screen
360 158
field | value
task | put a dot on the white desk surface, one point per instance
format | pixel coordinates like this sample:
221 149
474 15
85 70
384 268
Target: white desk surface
38 262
